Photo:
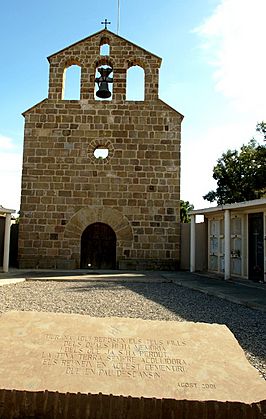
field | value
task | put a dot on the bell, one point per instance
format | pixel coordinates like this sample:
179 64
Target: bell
104 92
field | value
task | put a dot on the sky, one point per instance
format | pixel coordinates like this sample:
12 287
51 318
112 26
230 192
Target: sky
213 72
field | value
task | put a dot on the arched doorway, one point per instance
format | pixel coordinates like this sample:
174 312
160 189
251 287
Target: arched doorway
98 247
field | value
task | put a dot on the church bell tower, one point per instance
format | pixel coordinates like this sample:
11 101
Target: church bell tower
101 174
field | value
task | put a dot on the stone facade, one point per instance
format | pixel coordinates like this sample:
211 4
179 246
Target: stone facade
135 190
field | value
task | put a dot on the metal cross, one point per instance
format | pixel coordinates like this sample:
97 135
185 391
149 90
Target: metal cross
105 23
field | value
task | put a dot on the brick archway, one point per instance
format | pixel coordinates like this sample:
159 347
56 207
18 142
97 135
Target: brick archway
90 215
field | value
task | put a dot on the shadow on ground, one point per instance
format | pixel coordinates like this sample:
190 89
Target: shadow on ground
247 325
169 301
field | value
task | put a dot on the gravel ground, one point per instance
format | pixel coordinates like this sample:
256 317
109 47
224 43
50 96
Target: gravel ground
153 301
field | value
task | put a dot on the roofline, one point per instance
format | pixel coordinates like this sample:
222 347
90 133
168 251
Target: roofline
75 43
236 205
34 106
6 210
46 99
171 108
97 33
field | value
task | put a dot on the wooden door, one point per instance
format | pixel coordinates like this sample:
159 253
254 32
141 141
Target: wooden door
98 247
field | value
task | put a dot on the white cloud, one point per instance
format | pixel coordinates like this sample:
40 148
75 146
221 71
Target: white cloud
233 44
10 173
200 152
6 143
234 40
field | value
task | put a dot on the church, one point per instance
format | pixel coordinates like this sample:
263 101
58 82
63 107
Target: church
101 174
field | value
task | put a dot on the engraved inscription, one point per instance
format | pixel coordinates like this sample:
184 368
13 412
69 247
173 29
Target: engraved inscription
114 356
205 386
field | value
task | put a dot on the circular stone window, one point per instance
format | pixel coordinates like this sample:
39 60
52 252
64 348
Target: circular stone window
101 153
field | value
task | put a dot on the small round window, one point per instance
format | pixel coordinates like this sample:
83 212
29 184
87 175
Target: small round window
101 153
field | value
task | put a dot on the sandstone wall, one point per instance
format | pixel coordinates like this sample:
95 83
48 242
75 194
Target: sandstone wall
135 190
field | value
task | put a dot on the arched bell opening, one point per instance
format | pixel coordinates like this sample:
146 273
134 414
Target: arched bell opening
135 83
105 49
105 46
71 82
103 82
98 247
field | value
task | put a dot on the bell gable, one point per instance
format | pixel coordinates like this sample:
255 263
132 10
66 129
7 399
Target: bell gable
87 54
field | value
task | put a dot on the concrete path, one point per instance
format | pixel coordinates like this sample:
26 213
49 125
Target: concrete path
244 292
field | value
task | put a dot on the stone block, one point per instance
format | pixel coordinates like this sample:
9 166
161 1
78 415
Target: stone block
67 365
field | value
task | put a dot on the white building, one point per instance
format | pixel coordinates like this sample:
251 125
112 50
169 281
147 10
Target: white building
235 240
7 214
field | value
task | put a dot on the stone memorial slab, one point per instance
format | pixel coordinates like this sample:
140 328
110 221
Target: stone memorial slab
68 365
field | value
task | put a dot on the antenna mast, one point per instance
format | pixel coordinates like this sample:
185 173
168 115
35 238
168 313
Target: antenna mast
118 16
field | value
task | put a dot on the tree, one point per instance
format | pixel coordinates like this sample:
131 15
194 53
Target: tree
240 175
261 128
185 207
